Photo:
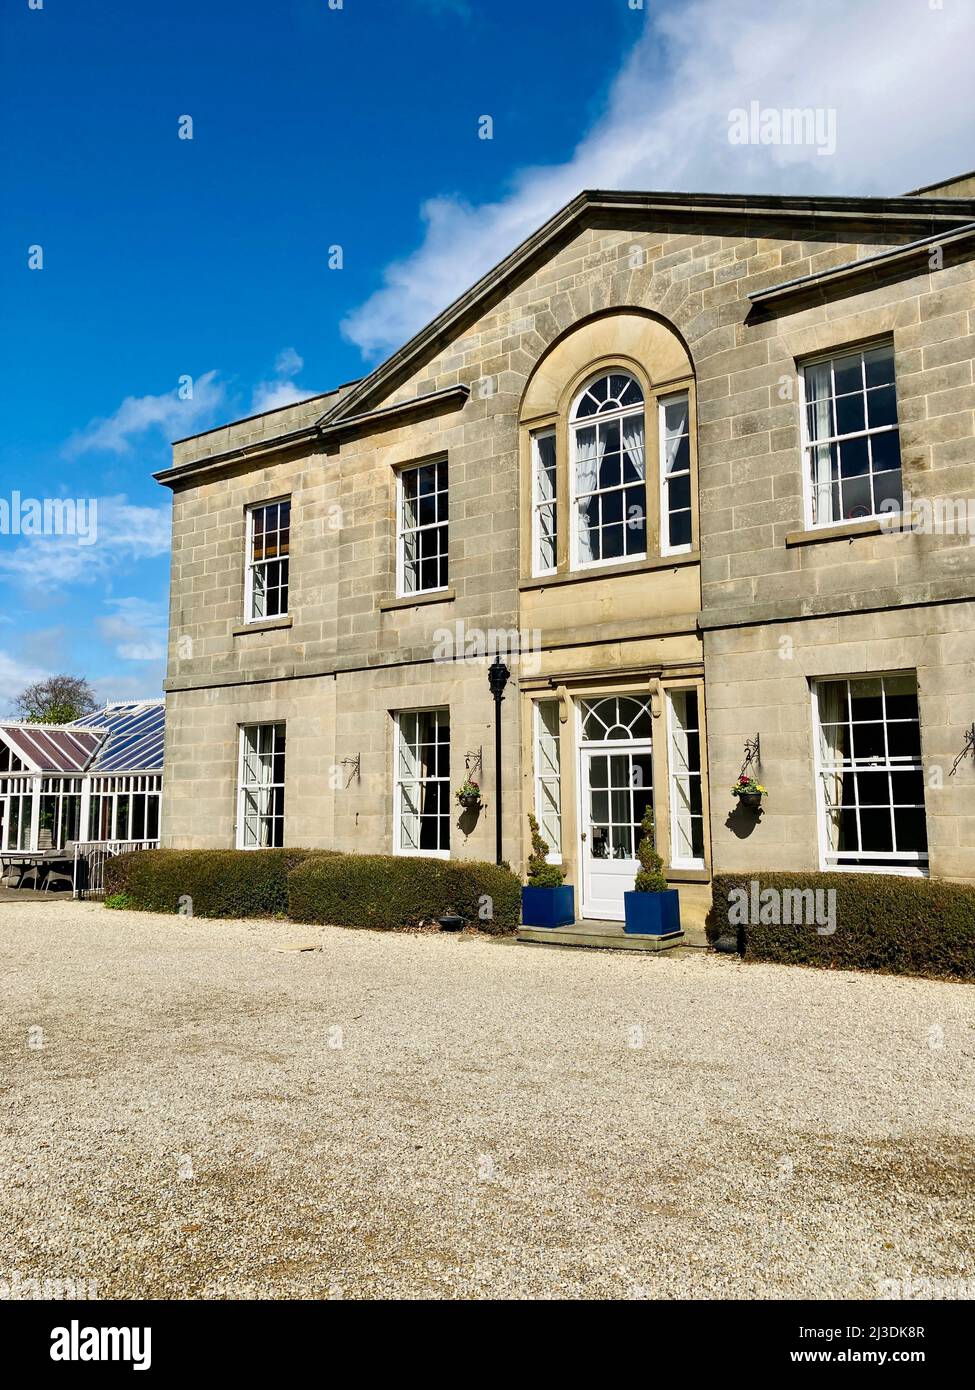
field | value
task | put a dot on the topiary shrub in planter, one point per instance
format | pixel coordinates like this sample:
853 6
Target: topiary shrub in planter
848 921
547 900
651 908
205 882
387 892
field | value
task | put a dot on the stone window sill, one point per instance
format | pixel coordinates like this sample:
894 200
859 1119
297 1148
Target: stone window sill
392 605
655 562
848 531
263 625
687 875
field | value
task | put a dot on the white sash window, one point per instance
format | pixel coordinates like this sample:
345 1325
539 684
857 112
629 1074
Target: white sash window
851 440
260 797
871 780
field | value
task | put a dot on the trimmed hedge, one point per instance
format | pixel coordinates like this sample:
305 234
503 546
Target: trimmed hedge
345 890
387 891
220 882
884 922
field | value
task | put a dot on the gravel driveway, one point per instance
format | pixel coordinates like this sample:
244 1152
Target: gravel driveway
206 1114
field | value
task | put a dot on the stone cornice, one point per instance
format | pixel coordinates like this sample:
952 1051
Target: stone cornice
451 398
849 274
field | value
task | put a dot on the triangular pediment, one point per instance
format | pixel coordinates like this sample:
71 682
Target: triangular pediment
911 216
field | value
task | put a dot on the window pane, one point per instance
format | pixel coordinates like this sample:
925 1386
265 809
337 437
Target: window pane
544 467
847 374
679 491
849 414
887 489
882 407
879 365
885 450
680 529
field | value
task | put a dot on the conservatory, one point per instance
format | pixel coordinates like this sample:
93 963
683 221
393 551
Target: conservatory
92 785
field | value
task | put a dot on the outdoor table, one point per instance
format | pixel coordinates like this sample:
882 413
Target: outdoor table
43 860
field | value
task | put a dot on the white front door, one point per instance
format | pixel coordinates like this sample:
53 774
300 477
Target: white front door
617 788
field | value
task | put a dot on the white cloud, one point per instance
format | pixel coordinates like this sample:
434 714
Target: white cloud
136 627
288 362
145 685
896 72
124 533
271 395
283 389
170 414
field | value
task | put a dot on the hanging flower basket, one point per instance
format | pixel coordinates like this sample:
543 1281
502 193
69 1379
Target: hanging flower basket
748 791
469 796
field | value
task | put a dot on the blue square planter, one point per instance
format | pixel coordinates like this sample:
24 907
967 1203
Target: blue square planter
548 907
652 914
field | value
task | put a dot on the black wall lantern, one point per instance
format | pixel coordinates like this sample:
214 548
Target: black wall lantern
498 676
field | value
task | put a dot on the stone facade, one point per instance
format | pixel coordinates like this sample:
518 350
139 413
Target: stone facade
717 298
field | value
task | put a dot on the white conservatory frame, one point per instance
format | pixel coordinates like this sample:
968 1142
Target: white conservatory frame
30 784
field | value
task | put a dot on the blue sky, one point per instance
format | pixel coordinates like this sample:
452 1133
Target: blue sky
356 126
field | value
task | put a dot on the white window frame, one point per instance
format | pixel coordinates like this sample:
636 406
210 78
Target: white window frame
250 564
60 790
913 865
586 422
555 855
537 507
678 861
399 782
106 791
402 529
809 444
662 402
243 788
24 789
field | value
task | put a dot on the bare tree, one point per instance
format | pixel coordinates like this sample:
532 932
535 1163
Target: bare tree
57 700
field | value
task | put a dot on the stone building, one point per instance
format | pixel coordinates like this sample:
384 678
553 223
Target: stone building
703 466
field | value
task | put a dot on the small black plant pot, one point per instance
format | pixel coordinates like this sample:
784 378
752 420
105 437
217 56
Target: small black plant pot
727 944
450 923
753 800
470 802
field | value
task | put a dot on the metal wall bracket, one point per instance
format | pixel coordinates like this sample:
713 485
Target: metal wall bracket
968 751
355 769
753 752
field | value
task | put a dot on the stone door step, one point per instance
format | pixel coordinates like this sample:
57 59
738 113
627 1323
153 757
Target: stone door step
606 936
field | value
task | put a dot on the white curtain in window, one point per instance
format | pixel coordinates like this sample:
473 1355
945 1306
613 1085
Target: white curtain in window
587 480
832 737
675 428
545 491
817 379
633 444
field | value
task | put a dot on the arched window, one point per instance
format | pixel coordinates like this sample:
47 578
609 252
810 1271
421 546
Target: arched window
616 718
608 471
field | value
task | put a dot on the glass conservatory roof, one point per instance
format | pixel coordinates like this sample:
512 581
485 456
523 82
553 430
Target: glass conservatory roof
124 737
133 740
